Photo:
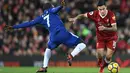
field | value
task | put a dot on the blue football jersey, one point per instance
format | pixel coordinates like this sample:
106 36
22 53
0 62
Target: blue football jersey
49 19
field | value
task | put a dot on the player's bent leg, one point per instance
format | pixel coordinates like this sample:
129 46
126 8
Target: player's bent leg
72 41
76 51
100 54
100 45
108 57
69 59
111 45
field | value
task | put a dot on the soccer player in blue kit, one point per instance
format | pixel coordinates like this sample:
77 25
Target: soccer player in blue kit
58 33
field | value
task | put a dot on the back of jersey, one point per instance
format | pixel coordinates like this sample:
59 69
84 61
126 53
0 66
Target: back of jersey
51 19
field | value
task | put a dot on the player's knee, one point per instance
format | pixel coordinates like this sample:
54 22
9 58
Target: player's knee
99 55
99 52
83 45
51 47
108 57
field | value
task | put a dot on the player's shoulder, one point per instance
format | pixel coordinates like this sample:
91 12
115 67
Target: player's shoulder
92 12
47 11
96 11
110 12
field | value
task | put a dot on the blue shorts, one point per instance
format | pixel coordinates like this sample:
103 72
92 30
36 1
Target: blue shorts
63 37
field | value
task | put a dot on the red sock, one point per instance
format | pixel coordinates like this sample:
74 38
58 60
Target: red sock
99 62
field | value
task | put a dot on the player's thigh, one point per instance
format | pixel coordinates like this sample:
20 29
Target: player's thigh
61 36
73 40
100 45
52 45
111 44
111 47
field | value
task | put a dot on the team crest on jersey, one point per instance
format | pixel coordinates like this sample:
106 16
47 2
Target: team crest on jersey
107 20
91 13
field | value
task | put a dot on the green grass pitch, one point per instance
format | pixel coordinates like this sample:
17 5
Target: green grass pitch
57 70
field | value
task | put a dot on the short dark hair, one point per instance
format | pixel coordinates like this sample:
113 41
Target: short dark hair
47 6
101 2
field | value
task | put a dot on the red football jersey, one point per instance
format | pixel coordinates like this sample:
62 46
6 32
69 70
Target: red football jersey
105 21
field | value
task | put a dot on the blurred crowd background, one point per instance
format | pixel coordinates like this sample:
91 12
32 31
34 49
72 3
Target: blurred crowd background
33 40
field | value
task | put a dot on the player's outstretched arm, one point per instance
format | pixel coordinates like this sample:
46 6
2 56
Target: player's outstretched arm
56 9
76 18
28 23
23 25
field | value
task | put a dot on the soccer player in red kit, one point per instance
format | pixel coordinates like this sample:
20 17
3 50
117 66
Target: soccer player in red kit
106 32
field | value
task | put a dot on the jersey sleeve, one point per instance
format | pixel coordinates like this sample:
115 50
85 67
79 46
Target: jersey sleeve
90 15
112 18
28 23
56 9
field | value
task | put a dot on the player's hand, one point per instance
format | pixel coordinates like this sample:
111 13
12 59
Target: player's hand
73 20
63 2
8 28
101 28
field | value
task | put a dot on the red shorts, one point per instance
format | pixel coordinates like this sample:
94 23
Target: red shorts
106 44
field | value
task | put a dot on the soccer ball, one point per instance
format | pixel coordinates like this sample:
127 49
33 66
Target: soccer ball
113 67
